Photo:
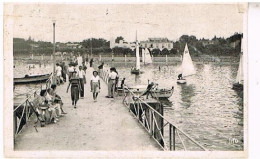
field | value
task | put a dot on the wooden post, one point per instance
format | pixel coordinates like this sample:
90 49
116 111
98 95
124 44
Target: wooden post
42 57
166 58
173 137
14 123
100 58
170 135
125 58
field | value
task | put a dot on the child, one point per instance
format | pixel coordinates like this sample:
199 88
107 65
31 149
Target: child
95 85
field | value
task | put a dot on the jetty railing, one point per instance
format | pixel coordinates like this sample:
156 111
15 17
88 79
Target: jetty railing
23 112
165 133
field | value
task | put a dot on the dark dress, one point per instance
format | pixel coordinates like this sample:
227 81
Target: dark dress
75 88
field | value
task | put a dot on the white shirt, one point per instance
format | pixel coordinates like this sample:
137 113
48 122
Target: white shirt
79 59
81 74
112 75
94 79
71 69
58 70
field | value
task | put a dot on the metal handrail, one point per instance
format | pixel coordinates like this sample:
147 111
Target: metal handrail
164 119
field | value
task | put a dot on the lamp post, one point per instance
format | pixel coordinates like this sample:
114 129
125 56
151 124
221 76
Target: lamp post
54 59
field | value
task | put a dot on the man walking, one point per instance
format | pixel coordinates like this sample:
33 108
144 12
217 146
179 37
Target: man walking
82 78
111 83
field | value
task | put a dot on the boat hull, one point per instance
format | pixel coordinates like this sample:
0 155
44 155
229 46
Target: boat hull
181 81
32 79
135 71
162 93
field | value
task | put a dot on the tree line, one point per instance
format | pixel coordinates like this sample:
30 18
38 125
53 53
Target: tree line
215 46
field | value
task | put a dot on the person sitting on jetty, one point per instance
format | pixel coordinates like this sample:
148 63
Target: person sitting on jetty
46 112
122 84
111 82
95 85
57 98
74 85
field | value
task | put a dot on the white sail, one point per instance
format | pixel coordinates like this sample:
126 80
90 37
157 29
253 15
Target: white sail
240 73
148 58
143 58
187 64
137 57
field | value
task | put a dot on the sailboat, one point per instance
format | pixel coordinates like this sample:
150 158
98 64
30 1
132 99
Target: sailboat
187 67
147 57
239 79
136 70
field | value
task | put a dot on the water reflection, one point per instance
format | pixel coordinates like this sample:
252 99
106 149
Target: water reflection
187 92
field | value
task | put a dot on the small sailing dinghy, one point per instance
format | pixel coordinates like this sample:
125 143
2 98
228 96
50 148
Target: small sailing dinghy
187 67
239 79
136 70
146 57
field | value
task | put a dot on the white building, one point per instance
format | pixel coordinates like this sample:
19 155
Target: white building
159 43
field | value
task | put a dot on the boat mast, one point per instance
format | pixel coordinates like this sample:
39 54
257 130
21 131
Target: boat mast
137 54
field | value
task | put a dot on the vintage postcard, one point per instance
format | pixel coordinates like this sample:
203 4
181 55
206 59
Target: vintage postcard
125 80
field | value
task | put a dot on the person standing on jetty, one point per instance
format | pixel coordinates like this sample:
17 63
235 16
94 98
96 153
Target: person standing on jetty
75 88
71 69
111 82
91 62
58 73
95 85
82 77
64 71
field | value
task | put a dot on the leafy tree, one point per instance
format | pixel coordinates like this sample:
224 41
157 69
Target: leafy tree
118 39
165 51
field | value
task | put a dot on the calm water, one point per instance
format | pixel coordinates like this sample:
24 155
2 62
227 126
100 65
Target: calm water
206 107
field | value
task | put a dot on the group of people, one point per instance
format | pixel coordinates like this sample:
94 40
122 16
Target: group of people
76 73
48 106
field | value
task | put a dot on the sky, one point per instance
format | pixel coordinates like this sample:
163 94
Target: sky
76 22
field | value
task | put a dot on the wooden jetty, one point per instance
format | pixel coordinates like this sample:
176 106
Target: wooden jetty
102 125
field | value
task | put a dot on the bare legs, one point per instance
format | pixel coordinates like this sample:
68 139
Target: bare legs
95 96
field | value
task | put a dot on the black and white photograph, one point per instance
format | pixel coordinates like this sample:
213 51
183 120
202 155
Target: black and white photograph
141 77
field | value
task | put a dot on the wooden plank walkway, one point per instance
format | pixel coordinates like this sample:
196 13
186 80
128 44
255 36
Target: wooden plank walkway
103 125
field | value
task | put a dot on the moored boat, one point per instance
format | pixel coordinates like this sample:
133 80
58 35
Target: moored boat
32 79
162 93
